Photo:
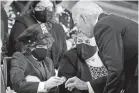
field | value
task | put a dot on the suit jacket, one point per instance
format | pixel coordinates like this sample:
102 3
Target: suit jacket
73 65
22 66
117 40
23 22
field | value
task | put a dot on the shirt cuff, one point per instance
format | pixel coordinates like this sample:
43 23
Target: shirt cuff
41 87
90 89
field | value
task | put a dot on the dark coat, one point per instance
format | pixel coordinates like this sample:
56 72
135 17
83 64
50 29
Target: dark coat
73 65
117 40
20 25
22 66
4 32
23 22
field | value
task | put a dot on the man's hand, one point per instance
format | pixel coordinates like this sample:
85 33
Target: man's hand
30 78
75 82
53 82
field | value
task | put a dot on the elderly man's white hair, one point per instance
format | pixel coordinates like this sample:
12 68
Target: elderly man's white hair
86 8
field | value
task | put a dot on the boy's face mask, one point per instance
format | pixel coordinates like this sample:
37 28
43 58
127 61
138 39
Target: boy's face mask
43 45
39 53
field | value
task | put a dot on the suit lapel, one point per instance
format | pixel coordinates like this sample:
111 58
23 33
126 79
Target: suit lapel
85 72
48 75
38 65
48 65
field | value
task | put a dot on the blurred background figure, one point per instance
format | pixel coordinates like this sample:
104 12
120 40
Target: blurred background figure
64 17
7 5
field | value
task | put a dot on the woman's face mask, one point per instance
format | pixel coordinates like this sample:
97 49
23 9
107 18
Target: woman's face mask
85 48
44 14
86 51
41 16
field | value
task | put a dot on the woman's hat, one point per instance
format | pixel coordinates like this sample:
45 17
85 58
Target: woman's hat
36 34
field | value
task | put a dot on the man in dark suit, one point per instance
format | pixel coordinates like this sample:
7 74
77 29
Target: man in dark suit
117 40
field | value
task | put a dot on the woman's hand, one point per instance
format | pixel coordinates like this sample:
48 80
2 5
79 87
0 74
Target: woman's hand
53 82
75 82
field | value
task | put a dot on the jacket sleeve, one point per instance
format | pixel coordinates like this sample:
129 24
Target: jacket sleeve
110 45
98 84
67 69
19 84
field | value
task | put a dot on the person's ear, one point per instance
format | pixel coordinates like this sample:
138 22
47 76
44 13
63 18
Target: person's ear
84 18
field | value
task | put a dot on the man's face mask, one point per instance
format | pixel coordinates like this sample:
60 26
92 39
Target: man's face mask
44 14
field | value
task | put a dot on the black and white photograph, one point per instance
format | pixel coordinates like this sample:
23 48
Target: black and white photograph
69 46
